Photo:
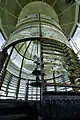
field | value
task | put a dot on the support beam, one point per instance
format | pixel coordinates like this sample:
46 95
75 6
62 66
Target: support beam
19 4
67 23
8 12
66 9
54 3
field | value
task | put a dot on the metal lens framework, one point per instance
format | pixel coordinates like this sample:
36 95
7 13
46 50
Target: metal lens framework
39 59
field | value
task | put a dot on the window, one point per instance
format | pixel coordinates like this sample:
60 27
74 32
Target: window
2 40
75 41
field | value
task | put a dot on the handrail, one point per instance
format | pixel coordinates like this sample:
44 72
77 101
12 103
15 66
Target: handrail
62 85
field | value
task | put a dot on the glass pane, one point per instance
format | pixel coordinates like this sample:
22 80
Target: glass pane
1 41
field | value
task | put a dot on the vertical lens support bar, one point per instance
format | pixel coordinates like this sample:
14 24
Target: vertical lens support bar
18 83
